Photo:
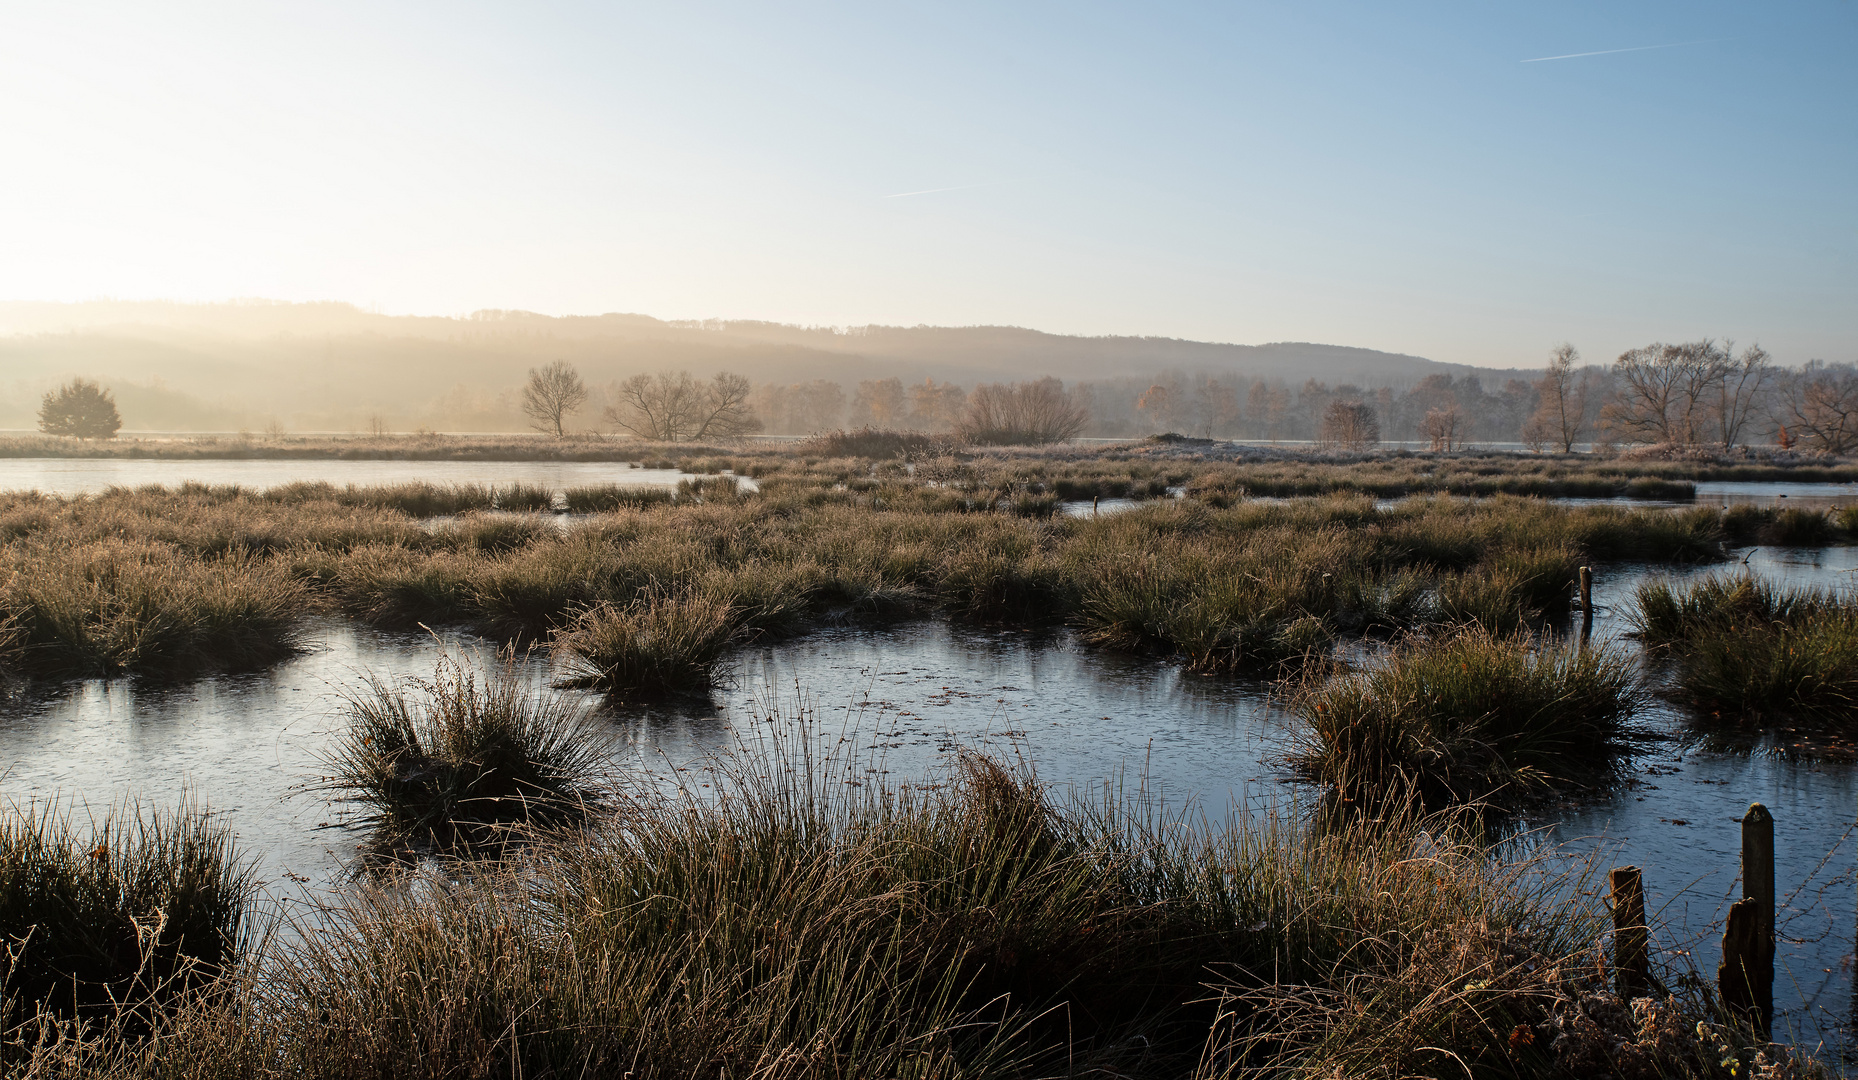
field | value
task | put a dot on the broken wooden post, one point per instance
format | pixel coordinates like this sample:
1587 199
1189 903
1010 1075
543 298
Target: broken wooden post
1746 976
1093 505
1632 968
1738 977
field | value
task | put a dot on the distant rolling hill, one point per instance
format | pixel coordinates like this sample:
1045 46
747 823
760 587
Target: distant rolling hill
331 365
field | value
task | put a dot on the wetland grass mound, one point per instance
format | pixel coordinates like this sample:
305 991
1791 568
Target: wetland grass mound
1472 718
786 924
158 582
1748 650
117 607
114 918
651 647
462 758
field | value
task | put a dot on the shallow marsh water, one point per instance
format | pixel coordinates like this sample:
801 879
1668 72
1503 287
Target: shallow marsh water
912 694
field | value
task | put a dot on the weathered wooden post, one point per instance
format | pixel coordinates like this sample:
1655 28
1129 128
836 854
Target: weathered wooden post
1587 590
1632 969
1093 505
1746 976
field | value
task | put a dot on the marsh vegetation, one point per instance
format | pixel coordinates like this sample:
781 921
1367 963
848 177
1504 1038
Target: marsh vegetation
802 917
795 925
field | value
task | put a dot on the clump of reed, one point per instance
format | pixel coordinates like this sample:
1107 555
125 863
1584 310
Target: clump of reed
1790 526
606 498
1473 717
795 924
709 489
123 914
657 644
522 497
123 607
1748 649
876 443
461 758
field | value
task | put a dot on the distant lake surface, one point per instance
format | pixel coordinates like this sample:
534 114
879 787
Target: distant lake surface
88 476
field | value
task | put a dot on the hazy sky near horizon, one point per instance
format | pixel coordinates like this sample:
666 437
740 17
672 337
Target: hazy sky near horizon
1407 177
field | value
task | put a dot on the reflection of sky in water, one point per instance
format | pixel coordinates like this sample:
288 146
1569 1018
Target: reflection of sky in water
915 692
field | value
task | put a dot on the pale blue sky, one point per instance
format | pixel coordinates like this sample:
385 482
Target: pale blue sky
1387 176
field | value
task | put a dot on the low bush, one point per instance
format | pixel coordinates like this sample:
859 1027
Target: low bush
876 443
130 912
1473 717
656 645
456 760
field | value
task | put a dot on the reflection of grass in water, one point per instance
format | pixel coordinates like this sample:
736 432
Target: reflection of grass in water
1749 651
1468 718
787 922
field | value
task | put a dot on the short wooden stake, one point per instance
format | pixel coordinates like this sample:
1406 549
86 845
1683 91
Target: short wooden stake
1739 976
1093 505
1632 969
1586 588
1746 977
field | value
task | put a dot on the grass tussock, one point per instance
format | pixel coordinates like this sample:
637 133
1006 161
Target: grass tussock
792 924
1474 717
125 914
463 756
1746 649
659 644
123 607
878 444
608 498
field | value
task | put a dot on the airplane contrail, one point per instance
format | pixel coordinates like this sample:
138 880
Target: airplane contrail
933 190
1609 52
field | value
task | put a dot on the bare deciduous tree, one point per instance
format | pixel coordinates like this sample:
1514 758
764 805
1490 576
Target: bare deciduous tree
937 406
1217 406
1561 408
1441 427
1351 425
1266 406
1820 403
673 407
1036 412
1740 383
552 393
1160 404
879 402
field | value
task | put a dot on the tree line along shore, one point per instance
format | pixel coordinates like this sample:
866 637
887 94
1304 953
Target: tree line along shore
1702 394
